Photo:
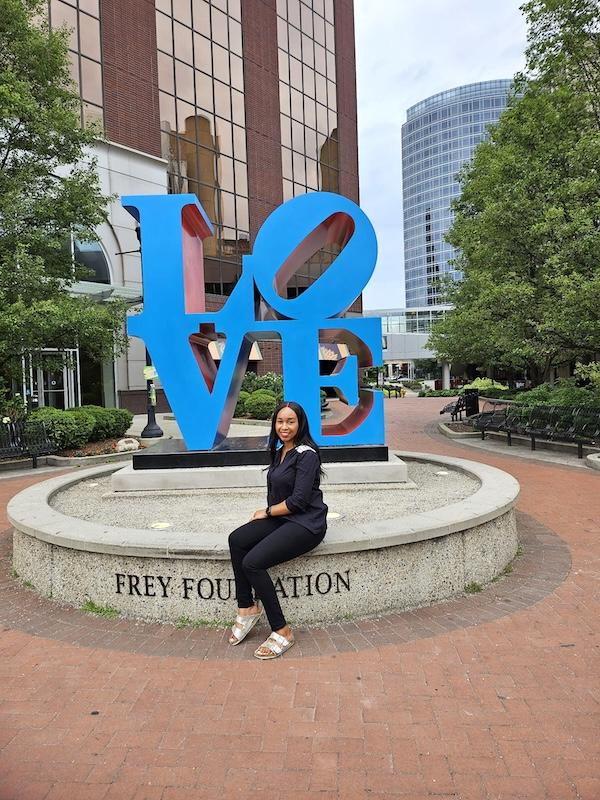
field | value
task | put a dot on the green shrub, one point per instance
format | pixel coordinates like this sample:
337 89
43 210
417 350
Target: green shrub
271 382
563 393
502 394
416 386
122 421
68 429
240 407
103 423
589 372
85 419
439 393
485 383
249 382
260 405
264 393
110 423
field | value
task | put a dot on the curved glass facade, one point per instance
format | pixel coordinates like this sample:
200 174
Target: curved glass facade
438 137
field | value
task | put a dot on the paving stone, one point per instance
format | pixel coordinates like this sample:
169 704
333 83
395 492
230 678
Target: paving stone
491 696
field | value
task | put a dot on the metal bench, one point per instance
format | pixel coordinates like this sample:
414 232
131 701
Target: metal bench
578 425
494 420
455 408
25 439
10 441
581 427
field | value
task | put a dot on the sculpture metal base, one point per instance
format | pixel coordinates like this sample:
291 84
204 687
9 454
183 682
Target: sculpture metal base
240 451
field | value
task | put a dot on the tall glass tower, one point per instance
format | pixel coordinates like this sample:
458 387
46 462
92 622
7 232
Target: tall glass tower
438 137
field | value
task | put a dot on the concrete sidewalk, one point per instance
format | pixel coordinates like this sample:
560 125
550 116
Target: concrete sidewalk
493 696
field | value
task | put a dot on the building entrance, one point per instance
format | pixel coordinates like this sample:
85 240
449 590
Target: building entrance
52 378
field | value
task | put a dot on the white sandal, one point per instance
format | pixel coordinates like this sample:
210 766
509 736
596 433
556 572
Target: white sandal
276 644
242 626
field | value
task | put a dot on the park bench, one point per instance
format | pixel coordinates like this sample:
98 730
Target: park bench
455 408
494 420
578 425
25 439
395 391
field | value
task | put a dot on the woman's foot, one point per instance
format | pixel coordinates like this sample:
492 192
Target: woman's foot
278 642
250 611
244 622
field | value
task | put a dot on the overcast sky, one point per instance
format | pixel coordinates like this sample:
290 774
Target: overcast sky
407 50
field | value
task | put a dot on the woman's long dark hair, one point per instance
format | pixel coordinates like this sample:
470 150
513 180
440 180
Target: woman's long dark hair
302 437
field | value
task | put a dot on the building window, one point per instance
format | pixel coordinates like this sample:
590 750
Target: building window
308 112
91 260
82 20
201 83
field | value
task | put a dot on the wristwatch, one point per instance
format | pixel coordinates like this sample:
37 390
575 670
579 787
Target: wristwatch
268 511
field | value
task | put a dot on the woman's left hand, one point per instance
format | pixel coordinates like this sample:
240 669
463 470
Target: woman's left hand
260 514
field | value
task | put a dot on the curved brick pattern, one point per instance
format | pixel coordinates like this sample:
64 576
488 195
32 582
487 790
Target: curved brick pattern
544 564
502 706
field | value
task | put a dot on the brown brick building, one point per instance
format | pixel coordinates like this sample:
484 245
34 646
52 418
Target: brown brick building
245 103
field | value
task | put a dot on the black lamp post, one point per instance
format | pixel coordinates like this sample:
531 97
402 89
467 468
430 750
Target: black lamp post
152 429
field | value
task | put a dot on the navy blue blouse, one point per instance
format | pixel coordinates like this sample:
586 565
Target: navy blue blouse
297 481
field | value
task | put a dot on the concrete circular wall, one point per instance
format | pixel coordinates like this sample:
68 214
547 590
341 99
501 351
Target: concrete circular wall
593 460
357 571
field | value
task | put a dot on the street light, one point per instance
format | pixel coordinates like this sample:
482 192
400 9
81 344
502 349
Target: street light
152 429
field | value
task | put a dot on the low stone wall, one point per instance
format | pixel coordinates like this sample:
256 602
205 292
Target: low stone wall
358 571
593 461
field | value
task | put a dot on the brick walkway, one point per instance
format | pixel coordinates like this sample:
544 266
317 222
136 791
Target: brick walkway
492 697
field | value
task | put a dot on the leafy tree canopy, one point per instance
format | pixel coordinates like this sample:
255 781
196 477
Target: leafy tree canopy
527 222
48 189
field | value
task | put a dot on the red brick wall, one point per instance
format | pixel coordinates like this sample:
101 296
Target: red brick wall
271 353
261 88
130 74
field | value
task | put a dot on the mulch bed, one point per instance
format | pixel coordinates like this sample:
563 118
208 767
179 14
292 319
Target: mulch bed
97 448
459 427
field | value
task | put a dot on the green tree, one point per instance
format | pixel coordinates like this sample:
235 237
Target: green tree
48 190
564 46
527 222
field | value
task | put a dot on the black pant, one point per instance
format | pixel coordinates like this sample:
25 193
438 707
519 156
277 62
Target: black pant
261 544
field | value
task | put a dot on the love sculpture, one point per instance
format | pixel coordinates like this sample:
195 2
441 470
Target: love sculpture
177 330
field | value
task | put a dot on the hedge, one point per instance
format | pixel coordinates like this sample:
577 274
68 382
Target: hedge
240 407
271 382
416 386
563 393
260 405
68 429
439 393
76 426
110 423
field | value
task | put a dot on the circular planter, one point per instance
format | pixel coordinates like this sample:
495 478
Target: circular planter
358 570
593 460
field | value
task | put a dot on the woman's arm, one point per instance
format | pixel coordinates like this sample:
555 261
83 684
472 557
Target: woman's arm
280 510
307 468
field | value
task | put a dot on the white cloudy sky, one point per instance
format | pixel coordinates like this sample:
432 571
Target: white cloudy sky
407 50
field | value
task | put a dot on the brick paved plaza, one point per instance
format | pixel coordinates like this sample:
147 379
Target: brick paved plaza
492 696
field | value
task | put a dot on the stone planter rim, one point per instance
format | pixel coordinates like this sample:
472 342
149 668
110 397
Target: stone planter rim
30 512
